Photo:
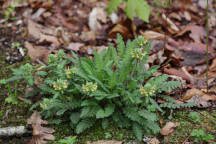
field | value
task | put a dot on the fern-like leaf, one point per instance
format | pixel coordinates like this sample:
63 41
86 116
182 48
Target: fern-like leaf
138 131
84 124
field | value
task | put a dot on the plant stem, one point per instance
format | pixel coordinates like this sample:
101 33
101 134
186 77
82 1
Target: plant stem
207 38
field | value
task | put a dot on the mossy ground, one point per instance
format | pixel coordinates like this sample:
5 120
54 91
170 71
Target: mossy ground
187 125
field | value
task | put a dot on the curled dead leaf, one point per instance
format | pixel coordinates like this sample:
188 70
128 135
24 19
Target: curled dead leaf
124 31
172 27
168 128
152 35
40 134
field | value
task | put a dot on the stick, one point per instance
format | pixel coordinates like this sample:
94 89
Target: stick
11 131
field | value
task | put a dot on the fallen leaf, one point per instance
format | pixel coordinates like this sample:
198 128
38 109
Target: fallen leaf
168 128
88 36
153 141
105 142
42 34
97 16
121 29
187 15
194 53
37 53
178 72
203 3
198 33
74 46
200 99
40 134
172 26
152 35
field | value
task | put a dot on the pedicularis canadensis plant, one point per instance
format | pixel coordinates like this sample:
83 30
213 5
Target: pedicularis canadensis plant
115 88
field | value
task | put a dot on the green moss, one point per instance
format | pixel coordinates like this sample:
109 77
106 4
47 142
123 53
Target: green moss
93 134
186 125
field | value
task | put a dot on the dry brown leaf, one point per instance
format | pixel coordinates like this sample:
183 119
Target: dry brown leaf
153 141
197 32
37 53
96 16
171 25
192 92
88 36
152 35
168 128
121 29
200 99
74 46
42 34
177 72
40 134
105 142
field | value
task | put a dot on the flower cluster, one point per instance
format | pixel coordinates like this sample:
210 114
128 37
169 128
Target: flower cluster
60 84
46 102
89 87
141 41
70 71
138 53
149 92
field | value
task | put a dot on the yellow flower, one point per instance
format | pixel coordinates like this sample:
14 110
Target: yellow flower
70 71
60 84
138 53
148 92
89 87
43 105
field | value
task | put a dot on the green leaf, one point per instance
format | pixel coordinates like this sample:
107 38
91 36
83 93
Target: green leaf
137 129
113 79
148 115
142 10
41 73
61 112
83 125
98 61
139 8
75 117
89 111
120 45
113 5
109 109
105 123
130 8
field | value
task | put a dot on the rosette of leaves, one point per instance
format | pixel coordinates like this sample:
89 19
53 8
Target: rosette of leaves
114 88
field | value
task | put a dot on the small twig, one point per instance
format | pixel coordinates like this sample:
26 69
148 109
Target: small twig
40 62
186 139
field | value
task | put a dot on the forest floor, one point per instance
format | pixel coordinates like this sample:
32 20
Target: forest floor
183 49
